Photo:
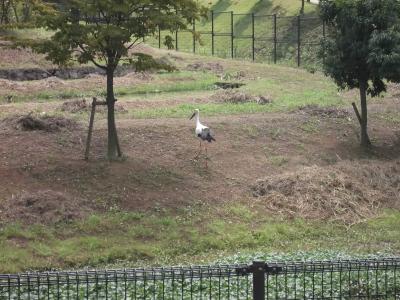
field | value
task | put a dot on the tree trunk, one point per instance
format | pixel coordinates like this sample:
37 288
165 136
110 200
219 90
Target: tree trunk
113 144
14 7
5 6
365 141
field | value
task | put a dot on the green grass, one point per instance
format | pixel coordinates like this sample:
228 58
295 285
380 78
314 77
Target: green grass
198 234
242 22
174 83
164 83
288 102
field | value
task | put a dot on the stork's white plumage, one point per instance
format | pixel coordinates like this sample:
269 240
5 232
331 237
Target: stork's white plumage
202 132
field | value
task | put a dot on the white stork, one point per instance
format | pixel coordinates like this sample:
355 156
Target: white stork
202 132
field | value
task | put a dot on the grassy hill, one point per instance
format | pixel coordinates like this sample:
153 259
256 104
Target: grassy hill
287 30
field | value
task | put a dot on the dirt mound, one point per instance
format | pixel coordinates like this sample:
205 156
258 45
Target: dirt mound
345 192
141 76
211 67
75 106
41 122
119 108
328 112
239 75
53 82
237 97
43 207
83 105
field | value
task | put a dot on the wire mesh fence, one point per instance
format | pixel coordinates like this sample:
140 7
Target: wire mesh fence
356 279
262 38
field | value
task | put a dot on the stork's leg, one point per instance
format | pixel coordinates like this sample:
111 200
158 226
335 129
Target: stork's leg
198 154
206 156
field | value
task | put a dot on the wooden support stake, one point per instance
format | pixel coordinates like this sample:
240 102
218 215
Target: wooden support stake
357 112
91 121
359 118
90 132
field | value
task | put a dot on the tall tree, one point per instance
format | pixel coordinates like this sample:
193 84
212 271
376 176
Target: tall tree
363 48
104 31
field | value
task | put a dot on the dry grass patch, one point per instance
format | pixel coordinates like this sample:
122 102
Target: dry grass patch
348 192
234 96
41 122
328 112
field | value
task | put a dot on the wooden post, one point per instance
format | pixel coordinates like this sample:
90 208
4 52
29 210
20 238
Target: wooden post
91 121
357 112
90 131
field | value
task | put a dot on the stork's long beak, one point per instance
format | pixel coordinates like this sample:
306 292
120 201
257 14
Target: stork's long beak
192 116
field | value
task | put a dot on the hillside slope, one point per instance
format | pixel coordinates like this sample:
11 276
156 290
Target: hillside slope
285 175
286 24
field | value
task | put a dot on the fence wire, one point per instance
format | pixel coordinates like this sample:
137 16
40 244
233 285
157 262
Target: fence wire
261 38
355 279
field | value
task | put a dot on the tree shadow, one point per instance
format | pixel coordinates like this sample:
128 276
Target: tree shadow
387 149
221 5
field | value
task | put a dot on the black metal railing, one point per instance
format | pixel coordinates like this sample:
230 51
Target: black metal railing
347 279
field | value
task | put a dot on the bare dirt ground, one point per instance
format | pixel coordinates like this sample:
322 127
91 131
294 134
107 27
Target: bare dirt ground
304 170
303 163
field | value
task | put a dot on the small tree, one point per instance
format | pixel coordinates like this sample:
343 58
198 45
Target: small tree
19 12
104 31
363 48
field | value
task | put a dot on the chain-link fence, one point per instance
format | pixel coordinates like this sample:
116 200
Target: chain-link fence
347 279
293 40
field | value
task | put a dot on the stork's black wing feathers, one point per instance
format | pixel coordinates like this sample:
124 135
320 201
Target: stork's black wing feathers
206 135
210 138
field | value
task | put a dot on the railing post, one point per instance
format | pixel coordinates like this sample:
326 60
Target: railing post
298 41
258 270
212 33
253 32
232 36
275 39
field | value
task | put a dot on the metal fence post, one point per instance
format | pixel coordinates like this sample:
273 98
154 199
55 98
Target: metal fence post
253 37
232 36
324 36
176 40
194 35
275 39
258 270
159 37
298 40
212 33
